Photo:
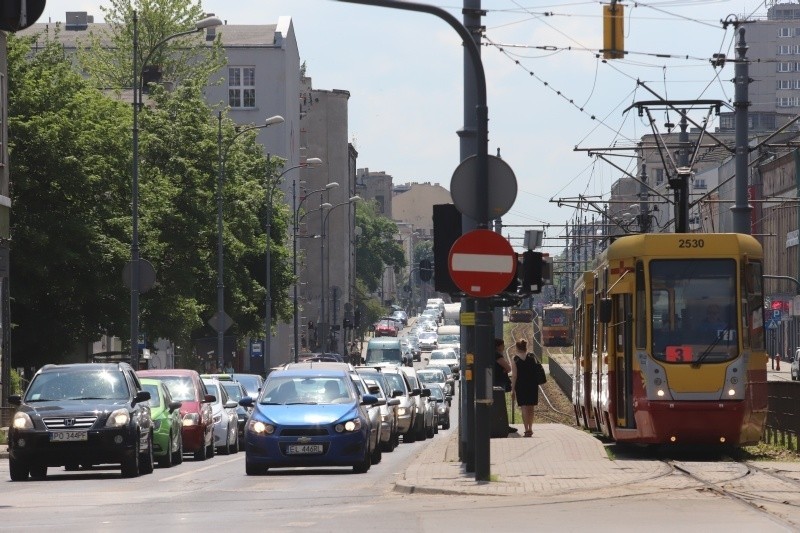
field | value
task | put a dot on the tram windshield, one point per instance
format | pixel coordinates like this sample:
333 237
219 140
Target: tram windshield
693 310
555 316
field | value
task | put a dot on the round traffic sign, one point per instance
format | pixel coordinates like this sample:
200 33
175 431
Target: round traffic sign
482 263
502 184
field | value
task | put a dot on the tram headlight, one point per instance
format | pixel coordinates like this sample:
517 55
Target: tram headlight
731 392
660 393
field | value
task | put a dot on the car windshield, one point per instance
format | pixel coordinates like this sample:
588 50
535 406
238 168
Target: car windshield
431 377
395 382
152 388
234 391
291 390
449 339
251 384
440 354
384 355
437 393
78 385
181 388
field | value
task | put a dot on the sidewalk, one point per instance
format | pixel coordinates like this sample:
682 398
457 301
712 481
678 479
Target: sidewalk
556 460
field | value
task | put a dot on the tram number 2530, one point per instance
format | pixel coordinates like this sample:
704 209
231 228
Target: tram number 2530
690 243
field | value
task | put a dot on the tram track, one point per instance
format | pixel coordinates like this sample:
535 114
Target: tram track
749 485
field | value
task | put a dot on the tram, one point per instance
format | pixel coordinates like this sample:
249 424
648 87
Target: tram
521 313
669 341
557 325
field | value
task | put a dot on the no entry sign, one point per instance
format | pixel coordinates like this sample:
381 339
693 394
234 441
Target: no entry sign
482 263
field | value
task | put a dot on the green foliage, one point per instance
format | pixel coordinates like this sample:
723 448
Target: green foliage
107 56
69 148
16 382
376 248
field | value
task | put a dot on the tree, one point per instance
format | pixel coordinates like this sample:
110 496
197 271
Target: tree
69 151
107 56
376 248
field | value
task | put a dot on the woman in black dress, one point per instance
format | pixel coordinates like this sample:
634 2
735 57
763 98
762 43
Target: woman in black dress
524 385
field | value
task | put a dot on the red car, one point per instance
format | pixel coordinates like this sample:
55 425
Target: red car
386 328
198 425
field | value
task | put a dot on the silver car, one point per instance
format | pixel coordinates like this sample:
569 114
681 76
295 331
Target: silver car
425 424
433 375
400 389
376 384
446 356
226 421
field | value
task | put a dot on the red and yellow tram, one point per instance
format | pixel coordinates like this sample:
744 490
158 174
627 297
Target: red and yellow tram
557 325
669 341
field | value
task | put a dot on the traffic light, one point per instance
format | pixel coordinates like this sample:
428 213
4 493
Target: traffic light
425 270
532 271
613 31
446 231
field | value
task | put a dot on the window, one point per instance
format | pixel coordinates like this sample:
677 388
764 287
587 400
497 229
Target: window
785 50
786 84
700 183
242 87
785 66
659 176
784 32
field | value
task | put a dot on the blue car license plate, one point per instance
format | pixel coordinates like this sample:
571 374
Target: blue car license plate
302 449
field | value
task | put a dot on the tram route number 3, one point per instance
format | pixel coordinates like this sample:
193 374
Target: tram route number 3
679 354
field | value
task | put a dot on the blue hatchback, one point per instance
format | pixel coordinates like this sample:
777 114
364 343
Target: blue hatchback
308 417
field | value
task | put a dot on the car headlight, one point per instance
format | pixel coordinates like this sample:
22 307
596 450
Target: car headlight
22 421
191 419
156 425
260 428
443 409
118 418
349 426
402 411
217 419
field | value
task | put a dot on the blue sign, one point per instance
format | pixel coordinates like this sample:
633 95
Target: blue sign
256 348
773 323
776 314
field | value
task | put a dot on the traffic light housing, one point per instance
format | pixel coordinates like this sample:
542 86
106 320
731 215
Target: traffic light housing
17 15
425 270
446 231
513 286
613 31
532 272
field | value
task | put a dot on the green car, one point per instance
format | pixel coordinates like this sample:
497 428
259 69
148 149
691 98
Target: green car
166 415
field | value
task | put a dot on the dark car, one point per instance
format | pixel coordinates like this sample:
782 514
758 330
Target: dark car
81 414
186 387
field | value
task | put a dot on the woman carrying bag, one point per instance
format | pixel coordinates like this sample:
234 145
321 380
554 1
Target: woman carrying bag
527 376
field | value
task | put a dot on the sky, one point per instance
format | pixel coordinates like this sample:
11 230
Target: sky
548 91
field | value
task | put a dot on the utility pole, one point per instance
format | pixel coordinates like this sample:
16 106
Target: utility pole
742 208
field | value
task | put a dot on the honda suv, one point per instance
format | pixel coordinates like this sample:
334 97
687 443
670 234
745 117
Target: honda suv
81 414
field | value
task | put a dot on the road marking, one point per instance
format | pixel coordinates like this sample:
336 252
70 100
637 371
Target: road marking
203 469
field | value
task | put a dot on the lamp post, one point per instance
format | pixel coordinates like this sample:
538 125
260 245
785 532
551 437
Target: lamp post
200 25
331 185
324 264
223 155
271 185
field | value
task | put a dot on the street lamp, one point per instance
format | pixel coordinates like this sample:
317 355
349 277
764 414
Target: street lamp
271 185
331 185
324 291
200 25
223 156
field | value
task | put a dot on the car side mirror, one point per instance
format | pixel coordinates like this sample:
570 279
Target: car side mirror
15 399
396 393
415 392
247 401
142 396
393 402
173 405
369 399
232 404
425 393
209 398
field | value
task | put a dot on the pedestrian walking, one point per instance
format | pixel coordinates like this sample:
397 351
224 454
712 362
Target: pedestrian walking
525 384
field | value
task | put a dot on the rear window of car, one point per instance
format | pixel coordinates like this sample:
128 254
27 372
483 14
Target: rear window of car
384 355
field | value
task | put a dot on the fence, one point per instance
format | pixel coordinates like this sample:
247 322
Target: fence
783 416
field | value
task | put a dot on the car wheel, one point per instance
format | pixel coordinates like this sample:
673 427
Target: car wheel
255 470
202 453
18 470
377 454
130 466
363 466
166 460
211 450
446 425
146 462
431 432
38 471
177 456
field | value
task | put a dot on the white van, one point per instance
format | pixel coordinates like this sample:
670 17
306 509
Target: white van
449 337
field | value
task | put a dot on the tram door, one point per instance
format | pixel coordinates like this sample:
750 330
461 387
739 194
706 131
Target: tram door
623 330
